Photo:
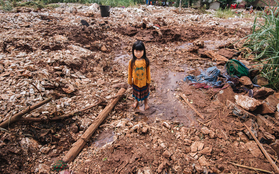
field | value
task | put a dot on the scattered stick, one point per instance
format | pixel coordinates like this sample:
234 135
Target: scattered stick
186 100
78 146
252 168
60 117
17 117
263 150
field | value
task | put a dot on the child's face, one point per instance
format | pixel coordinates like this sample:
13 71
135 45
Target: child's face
138 53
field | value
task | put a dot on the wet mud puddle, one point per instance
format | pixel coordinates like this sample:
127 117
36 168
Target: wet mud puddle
164 101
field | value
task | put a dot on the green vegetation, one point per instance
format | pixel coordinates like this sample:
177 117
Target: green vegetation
6 5
117 3
264 42
33 4
225 13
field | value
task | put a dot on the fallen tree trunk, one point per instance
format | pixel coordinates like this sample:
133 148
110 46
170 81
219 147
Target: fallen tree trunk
25 111
263 150
78 146
186 100
60 117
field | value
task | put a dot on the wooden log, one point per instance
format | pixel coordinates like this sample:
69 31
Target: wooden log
78 146
186 100
263 150
251 168
60 117
17 116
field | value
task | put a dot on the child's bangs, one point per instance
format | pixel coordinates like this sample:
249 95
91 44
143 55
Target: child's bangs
139 47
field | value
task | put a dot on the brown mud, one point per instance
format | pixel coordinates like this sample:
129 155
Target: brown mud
79 65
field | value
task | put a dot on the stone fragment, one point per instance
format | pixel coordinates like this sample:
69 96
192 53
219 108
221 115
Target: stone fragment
261 81
212 134
276 115
244 80
269 105
104 48
196 146
263 93
206 151
69 89
205 130
216 57
74 128
166 125
29 144
247 102
243 137
203 161
45 150
226 53
44 169
254 149
198 168
166 154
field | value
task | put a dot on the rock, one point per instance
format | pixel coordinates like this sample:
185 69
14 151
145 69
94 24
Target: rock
69 89
263 93
247 102
44 169
29 144
65 172
206 151
226 94
254 149
244 80
45 150
198 168
145 129
187 142
166 154
74 128
269 105
243 137
166 125
205 130
120 85
226 53
104 48
196 146
277 96
212 134
261 81
216 57
164 164
203 161
276 115
269 137
199 43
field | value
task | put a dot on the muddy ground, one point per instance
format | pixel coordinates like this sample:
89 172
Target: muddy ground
50 53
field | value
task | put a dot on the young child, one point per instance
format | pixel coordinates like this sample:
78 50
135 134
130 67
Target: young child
139 74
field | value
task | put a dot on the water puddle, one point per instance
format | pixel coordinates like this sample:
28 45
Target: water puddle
104 137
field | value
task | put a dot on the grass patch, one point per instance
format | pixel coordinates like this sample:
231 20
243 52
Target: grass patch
225 13
32 4
264 42
6 5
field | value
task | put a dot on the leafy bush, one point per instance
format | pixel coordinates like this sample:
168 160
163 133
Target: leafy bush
264 41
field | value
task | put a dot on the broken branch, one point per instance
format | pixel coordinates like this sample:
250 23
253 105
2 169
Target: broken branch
78 146
263 150
25 111
252 168
186 100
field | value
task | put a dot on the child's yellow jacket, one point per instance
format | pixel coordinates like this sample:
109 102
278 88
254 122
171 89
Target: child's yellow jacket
139 75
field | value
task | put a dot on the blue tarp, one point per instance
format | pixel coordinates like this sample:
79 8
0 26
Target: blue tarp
210 77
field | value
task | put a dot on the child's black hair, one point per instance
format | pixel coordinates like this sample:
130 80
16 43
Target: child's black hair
138 45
